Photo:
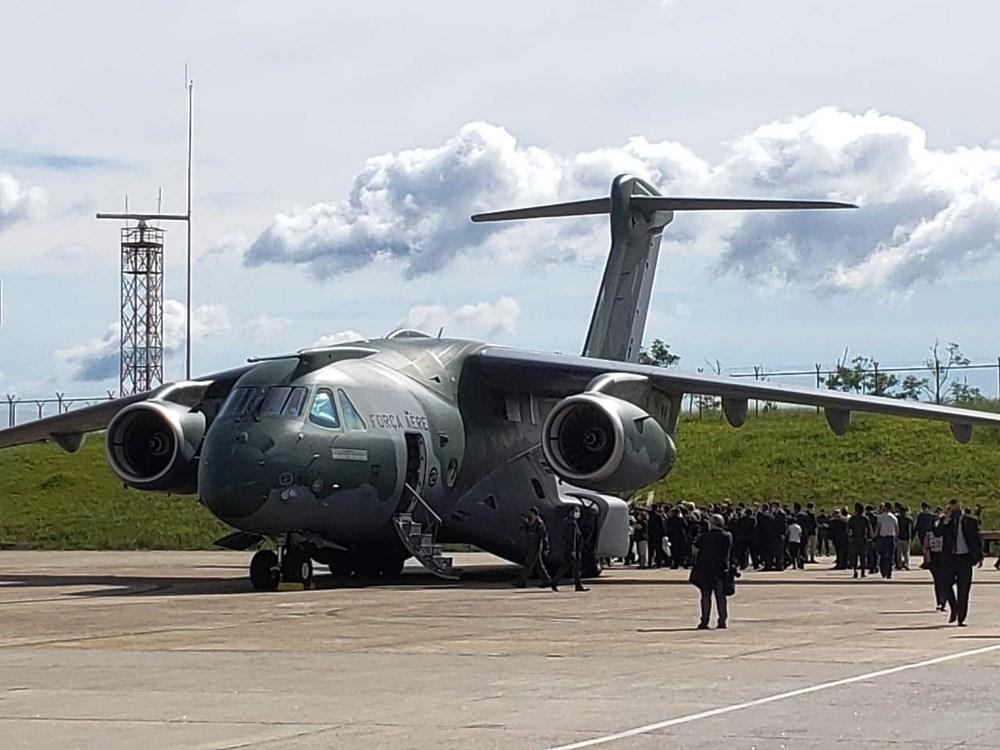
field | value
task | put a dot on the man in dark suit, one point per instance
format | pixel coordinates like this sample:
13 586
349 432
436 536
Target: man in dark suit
963 548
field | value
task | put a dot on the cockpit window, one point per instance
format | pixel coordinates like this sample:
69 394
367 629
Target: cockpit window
274 400
352 418
296 402
237 403
324 411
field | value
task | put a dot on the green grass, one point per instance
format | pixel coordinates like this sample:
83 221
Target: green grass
793 456
51 500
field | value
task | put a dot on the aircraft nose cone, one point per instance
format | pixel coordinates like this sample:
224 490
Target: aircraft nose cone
231 480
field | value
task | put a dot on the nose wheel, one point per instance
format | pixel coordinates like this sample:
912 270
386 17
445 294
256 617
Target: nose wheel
268 569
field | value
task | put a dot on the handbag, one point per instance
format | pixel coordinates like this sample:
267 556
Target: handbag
729 582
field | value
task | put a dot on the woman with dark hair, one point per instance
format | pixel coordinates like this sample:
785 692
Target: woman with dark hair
711 570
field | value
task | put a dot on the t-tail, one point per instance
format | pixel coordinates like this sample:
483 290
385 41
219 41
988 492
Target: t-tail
638 215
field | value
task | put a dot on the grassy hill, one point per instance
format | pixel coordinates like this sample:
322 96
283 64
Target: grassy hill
50 500
794 456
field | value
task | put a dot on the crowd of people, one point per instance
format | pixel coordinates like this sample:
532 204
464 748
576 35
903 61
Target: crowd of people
866 540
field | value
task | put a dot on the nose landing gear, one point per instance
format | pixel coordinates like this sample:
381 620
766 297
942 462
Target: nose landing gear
289 564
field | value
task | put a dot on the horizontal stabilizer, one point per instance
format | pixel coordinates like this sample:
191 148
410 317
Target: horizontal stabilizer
574 208
647 204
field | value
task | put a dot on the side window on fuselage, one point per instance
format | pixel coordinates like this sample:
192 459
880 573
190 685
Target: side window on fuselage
296 402
324 410
352 419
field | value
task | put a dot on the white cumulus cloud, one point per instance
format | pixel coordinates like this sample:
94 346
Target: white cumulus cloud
263 328
98 359
501 316
19 203
924 210
340 337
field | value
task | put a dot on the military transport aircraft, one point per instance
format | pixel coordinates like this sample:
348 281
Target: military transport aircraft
360 455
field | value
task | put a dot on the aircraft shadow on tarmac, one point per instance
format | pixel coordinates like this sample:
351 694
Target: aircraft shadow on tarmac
479 577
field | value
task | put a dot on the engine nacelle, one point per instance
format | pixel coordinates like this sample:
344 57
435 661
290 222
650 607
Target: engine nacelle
603 443
152 445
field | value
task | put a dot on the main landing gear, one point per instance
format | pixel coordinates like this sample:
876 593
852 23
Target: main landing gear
290 564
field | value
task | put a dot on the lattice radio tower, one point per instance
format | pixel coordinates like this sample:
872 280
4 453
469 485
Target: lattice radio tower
141 308
141 367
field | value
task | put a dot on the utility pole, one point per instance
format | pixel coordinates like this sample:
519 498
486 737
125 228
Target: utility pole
187 336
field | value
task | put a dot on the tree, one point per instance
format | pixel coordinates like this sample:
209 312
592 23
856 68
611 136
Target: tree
940 366
963 393
658 354
862 376
876 382
913 388
844 378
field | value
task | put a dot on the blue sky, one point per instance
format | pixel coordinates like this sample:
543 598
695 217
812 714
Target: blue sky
340 149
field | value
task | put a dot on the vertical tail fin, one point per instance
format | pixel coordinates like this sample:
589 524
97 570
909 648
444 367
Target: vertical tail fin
638 216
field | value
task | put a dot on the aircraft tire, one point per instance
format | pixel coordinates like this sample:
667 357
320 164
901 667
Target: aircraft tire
341 568
393 566
297 567
264 572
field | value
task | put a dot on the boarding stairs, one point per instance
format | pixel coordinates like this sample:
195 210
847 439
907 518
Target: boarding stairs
420 537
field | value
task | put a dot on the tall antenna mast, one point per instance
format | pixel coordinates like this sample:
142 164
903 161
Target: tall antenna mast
142 284
189 83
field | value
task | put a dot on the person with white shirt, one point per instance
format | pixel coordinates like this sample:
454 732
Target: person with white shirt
794 536
886 531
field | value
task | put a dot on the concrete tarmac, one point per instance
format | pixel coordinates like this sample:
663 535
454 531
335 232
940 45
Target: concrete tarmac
173 649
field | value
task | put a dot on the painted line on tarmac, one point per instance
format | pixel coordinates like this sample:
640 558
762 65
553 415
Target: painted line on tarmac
646 729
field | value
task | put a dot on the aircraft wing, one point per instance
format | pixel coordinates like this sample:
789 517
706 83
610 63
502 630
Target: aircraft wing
68 430
558 375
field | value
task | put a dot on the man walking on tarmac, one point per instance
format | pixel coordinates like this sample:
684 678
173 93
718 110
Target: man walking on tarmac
537 547
574 548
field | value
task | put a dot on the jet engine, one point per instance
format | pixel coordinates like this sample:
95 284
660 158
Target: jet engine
605 444
152 445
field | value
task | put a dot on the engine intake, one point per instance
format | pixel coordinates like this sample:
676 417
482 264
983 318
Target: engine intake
151 445
606 444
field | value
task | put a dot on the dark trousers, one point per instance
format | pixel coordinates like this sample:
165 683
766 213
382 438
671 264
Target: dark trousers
943 594
886 546
741 551
720 602
840 546
574 564
958 577
533 561
795 554
857 556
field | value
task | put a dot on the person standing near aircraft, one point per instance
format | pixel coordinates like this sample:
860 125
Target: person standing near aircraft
537 547
838 535
922 529
574 547
904 539
934 546
710 570
886 532
860 533
963 548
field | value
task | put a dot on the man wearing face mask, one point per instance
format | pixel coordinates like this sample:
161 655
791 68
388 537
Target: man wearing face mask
573 540
963 548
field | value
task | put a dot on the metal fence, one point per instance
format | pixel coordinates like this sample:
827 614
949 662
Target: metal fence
939 374
36 408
